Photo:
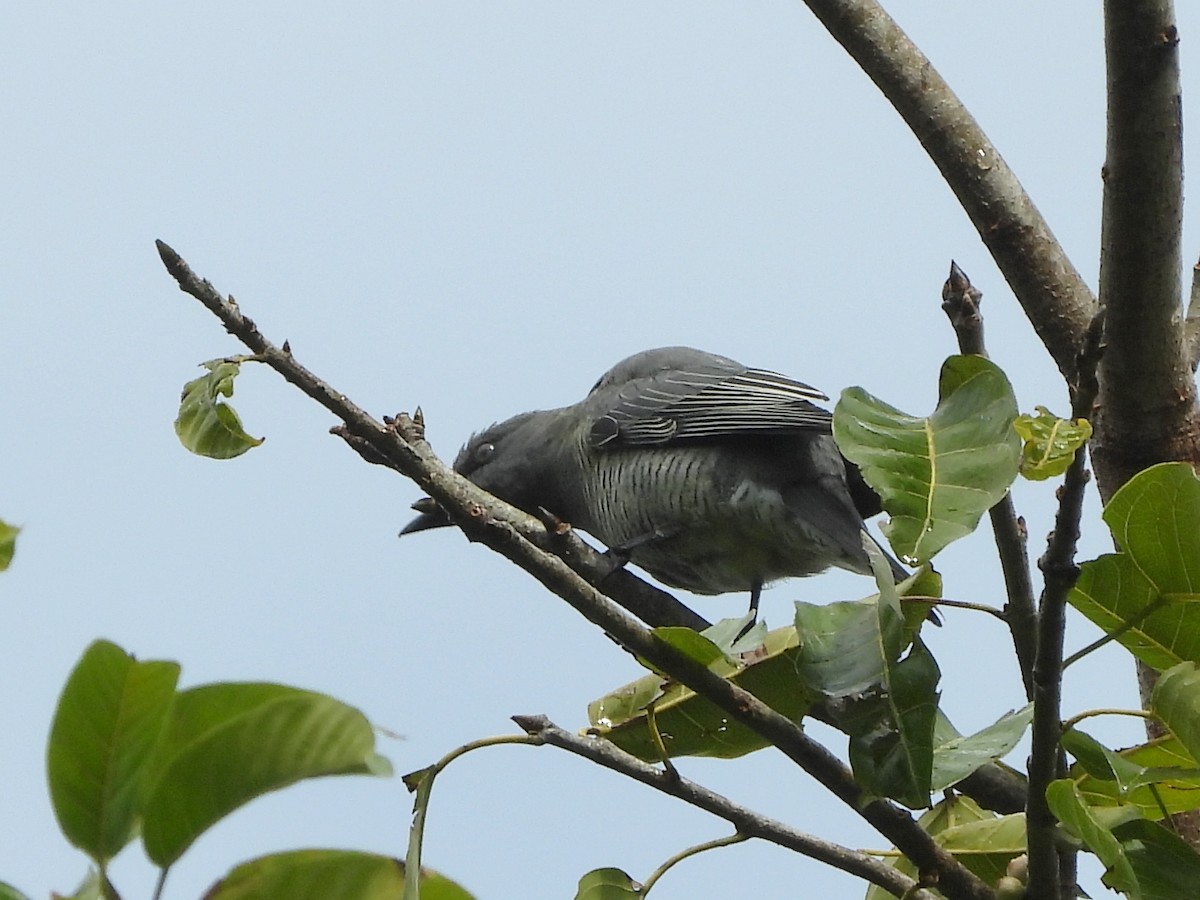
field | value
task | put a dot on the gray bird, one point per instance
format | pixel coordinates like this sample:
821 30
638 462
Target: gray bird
711 476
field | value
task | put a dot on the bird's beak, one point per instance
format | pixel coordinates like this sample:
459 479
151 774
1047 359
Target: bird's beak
431 516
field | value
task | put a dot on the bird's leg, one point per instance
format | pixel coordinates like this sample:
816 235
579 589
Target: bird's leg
755 595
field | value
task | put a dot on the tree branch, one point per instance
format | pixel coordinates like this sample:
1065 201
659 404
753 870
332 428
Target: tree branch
1046 759
960 301
1147 392
379 443
495 523
746 821
1052 293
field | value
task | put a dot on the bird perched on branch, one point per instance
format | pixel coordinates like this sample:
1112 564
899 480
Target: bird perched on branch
712 476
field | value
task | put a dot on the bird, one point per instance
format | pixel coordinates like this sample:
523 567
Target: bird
710 475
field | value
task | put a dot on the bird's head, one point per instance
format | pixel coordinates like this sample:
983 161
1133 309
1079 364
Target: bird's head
508 460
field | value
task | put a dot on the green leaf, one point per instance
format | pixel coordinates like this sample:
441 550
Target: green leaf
606 884
8 543
979 839
328 875
690 725
694 645
849 653
109 717
1107 765
1176 701
936 475
957 758
1168 783
8 892
1068 807
1050 443
1149 589
895 758
1165 866
207 426
228 743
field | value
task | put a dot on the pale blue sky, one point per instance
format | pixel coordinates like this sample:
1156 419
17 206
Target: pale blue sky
477 208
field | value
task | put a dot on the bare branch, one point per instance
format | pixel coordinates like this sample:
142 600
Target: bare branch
1049 289
960 301
746 821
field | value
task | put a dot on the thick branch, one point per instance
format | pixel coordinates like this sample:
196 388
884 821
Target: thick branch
1147 392
746 821
1049 289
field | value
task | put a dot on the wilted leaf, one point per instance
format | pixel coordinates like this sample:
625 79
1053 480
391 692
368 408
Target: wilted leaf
207 425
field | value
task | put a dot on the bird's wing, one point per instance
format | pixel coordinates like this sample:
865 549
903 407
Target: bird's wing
706 400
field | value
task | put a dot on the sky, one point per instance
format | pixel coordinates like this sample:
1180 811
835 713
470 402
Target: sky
475 208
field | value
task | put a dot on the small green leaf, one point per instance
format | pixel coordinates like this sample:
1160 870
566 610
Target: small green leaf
109 717
8 543
937 475
606 884
1148 591
1050 443
957 758
207 426
328 875
229 743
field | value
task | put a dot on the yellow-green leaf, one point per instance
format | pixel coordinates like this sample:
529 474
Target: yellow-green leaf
207 425
1049 443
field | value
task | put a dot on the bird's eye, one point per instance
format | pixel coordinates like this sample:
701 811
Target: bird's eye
484 452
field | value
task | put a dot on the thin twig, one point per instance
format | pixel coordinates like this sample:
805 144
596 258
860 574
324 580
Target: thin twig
746 821
1046 759
689 852
960 301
